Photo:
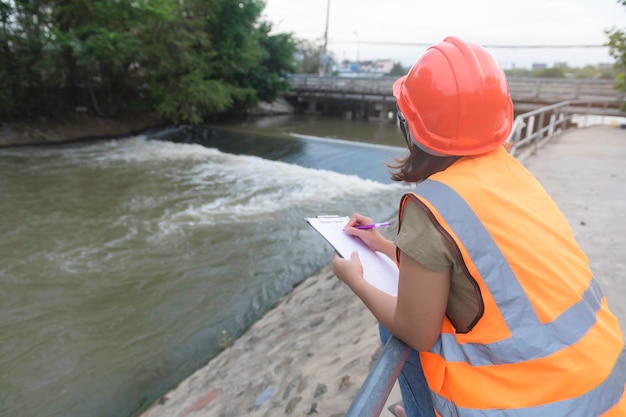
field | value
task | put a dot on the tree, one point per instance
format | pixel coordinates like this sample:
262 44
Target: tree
592 72
207 48
588 71
106 44
308 57
398 70
553 72
6 63
26 37
518 72
186 60
268 78
617 49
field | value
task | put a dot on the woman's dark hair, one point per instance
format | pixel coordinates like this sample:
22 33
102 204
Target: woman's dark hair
418 165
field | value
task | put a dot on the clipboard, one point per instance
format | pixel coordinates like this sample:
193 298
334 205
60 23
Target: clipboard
378 269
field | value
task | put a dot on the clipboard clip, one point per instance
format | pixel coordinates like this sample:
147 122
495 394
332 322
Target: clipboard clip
330 218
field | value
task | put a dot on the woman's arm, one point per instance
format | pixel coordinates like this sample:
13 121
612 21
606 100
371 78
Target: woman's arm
416 315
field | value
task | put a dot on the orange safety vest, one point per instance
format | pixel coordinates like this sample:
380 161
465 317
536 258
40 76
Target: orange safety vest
546 343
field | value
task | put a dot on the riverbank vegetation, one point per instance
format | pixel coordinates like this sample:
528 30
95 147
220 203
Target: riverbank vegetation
606 72
617 47
179 61
182 60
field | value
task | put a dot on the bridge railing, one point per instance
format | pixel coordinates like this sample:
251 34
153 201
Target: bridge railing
355 85
557 89
531 131
522 89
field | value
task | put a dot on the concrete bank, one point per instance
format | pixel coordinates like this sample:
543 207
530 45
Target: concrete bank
72 128
78 127
310 354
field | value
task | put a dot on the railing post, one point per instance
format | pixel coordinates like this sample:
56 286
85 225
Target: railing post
541 131
530 132
374 392
552 122
576 93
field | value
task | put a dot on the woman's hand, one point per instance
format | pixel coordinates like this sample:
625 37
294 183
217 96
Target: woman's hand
359 220
371 237
350 271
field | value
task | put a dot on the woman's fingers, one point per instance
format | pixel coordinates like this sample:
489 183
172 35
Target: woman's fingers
358 219
348 270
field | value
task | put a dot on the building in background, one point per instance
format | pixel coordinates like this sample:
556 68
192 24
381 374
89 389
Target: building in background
376 68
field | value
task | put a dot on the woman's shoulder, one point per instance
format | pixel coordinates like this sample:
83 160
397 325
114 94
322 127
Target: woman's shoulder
420 239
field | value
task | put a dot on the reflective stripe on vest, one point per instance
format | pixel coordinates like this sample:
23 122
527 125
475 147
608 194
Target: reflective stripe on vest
591 404
566 330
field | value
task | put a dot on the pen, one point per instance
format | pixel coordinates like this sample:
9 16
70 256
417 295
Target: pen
372 226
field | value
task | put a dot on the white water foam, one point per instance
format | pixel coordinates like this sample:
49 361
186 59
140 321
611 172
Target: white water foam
228 186
214 187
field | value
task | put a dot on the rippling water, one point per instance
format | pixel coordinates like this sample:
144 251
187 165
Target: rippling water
121 261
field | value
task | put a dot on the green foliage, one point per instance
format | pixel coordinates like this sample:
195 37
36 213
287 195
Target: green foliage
309 57
553 72
191 97
20 66
617 48
518 72
586 72
398 70
6 77
186 60
268 78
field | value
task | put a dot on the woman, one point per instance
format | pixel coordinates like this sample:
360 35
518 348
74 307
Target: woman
494 293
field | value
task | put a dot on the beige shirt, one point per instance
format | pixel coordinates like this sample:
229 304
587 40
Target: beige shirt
419 238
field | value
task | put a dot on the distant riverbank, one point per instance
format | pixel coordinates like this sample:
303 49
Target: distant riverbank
78 126
72 128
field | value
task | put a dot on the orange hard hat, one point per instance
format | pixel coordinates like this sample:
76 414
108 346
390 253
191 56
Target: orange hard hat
455 100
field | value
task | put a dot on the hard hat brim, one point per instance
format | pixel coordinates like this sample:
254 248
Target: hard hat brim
397 86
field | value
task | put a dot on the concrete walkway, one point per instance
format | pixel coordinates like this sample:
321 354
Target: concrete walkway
584 170
311 353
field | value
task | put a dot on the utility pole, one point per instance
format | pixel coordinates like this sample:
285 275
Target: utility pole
323 55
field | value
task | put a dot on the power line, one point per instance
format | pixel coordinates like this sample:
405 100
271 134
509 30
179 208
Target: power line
421 44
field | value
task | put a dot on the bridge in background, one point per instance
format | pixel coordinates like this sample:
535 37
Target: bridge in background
371 98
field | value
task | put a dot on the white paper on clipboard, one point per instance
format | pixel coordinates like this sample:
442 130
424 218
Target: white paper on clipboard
378 269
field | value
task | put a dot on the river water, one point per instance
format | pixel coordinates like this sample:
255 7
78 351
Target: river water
121 261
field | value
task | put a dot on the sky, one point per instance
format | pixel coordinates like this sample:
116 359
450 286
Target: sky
401 30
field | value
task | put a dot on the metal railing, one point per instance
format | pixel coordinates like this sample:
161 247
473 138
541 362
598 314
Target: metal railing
531 131
536 128
374 392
